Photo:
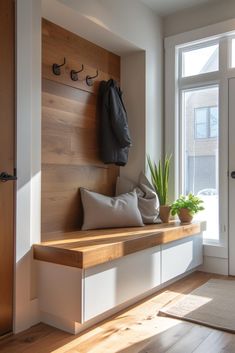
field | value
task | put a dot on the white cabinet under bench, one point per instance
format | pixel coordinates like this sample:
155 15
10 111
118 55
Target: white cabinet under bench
92 274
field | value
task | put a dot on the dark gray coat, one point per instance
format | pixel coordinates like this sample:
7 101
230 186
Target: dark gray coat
114 133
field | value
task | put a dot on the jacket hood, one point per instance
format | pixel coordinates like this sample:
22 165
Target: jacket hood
109 83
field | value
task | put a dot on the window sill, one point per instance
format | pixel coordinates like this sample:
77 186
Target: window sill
215 249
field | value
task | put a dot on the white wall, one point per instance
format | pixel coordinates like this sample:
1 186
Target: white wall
200 16
124 27
133 77
28 62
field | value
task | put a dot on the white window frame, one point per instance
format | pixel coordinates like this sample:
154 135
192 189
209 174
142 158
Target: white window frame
222 32
181 179
230 52
188 48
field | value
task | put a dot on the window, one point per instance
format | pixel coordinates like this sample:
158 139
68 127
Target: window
195 61
202 141
200 150
206 122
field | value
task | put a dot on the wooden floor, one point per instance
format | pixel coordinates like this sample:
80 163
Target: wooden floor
136 330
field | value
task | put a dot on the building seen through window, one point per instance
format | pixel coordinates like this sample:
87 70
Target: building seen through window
206 122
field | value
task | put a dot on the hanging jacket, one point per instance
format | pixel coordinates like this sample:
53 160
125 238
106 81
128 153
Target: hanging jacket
114 133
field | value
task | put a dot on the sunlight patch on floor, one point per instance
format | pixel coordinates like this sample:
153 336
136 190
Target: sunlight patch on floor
123 336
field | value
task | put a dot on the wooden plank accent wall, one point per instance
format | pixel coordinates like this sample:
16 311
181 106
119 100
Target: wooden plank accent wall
70 128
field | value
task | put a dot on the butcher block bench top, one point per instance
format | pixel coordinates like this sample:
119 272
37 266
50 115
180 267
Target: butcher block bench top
84 249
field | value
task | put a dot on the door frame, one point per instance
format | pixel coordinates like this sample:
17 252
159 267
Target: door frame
8 189
28 159
231 185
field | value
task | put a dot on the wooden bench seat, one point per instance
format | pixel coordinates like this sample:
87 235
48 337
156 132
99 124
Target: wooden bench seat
84 249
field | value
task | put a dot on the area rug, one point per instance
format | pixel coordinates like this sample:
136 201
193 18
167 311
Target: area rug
212 304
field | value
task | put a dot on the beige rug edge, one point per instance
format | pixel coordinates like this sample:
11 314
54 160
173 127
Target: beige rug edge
164 311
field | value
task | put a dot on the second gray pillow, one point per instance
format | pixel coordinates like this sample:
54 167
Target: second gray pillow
148 202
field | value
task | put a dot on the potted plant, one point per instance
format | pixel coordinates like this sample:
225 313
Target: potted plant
186 207
160 180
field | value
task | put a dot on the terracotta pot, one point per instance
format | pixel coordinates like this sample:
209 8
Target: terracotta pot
185 216
164 214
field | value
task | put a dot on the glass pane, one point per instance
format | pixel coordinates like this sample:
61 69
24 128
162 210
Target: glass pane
200 61
233 53
213 121
201 131
201 115
200 156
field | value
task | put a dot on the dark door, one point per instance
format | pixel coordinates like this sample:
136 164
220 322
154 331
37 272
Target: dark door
7 162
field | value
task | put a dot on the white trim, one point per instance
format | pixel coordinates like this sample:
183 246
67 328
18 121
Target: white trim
171 124
210 78
229 53
200 45
213 264
28 140
221 32
215 250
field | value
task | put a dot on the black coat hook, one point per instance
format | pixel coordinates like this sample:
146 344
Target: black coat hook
74 74
89 79
56 68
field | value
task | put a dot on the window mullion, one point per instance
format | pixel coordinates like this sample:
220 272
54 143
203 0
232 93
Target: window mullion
208 122
194 82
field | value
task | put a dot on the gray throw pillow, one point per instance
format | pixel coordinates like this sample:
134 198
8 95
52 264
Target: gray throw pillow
148 202
101 211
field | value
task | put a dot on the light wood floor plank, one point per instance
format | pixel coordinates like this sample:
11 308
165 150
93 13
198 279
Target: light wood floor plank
191 340
216 342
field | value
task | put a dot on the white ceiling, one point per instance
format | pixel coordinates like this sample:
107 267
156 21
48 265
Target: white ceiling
166 7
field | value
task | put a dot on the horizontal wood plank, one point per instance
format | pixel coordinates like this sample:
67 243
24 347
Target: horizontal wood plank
84 249
61 200
59 43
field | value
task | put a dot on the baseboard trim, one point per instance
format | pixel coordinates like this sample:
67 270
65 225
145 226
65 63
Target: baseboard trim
215 265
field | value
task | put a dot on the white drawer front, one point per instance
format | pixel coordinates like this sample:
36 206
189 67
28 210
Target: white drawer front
181 256
111 284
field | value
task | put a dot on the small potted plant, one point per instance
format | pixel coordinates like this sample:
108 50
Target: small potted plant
160 180
186 207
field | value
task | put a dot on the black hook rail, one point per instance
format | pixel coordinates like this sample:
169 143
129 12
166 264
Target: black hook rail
89 79
74 74
56 68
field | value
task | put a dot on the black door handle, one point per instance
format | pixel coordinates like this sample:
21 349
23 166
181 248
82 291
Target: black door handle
233 174
7 177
